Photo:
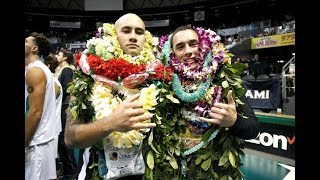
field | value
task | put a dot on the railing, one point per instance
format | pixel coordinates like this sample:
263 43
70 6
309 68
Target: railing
288 75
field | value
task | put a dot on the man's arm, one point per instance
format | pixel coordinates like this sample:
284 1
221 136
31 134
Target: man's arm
36 82
246 127
127 116
82 135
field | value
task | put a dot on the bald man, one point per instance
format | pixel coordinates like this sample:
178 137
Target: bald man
130 31
128 115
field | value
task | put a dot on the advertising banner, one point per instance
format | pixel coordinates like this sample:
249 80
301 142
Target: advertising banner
103 5
157 23
263 94
275 139
273 41
62 24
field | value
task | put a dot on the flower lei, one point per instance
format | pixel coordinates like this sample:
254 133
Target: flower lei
212 56
114 75
218 154
105 103
107 46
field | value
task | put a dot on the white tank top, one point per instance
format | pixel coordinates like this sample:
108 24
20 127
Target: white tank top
47 127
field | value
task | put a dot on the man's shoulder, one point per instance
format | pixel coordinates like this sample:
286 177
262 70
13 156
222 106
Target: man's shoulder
35 72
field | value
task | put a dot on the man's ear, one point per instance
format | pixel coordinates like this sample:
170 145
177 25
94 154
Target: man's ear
35 49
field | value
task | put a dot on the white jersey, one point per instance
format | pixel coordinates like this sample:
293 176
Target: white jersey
47 127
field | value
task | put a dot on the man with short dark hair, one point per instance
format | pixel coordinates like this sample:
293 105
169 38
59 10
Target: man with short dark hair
65 76
40 119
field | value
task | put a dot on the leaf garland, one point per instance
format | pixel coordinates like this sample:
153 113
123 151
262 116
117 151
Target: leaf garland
162 146
81 87
219 159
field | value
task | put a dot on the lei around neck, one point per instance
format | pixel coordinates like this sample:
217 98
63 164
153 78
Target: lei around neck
209 62
203 74
114 76
217 158
107 46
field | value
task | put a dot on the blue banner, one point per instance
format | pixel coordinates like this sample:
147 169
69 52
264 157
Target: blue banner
263 94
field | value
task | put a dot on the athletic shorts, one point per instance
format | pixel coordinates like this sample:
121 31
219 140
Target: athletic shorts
40 161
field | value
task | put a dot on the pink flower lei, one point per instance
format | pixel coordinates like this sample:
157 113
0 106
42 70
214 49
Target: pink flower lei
200 76
207 39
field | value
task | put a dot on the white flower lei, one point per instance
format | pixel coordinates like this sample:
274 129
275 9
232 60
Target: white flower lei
104 102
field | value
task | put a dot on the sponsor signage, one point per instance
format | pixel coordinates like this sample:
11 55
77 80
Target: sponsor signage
273 41
274 139
263 94
62 24
103 5
76 46
157 23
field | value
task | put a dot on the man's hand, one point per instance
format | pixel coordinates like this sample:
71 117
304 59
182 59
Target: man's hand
130 115
127 116
224 115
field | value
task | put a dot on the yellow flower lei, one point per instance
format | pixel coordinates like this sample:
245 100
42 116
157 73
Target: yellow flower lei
103 101
108 47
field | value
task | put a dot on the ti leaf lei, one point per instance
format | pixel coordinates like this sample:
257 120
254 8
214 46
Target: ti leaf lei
219 157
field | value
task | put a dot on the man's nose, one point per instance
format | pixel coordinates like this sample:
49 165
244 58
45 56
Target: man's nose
188 51
133 37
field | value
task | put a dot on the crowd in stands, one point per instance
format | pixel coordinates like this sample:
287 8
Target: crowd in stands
231 41
284 27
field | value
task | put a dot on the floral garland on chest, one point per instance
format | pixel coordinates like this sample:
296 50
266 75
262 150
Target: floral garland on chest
105 76
216 153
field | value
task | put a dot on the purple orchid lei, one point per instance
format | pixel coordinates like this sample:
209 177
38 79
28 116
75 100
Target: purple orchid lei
207 38
190 79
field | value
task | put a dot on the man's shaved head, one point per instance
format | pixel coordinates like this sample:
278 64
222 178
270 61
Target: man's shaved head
130 32
127 17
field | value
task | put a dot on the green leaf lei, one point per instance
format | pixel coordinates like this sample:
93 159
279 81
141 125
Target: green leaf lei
218 159
81 87
83 111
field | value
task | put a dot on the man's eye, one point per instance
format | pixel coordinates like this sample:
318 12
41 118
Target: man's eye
126 31
194 44
139 32
179 47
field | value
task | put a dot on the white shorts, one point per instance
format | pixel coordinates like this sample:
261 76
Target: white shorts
40 162
56 145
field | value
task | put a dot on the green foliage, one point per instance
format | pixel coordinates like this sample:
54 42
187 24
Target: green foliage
162 144
81 107
80 87
219 159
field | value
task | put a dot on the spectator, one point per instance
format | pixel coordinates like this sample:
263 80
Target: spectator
65 75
